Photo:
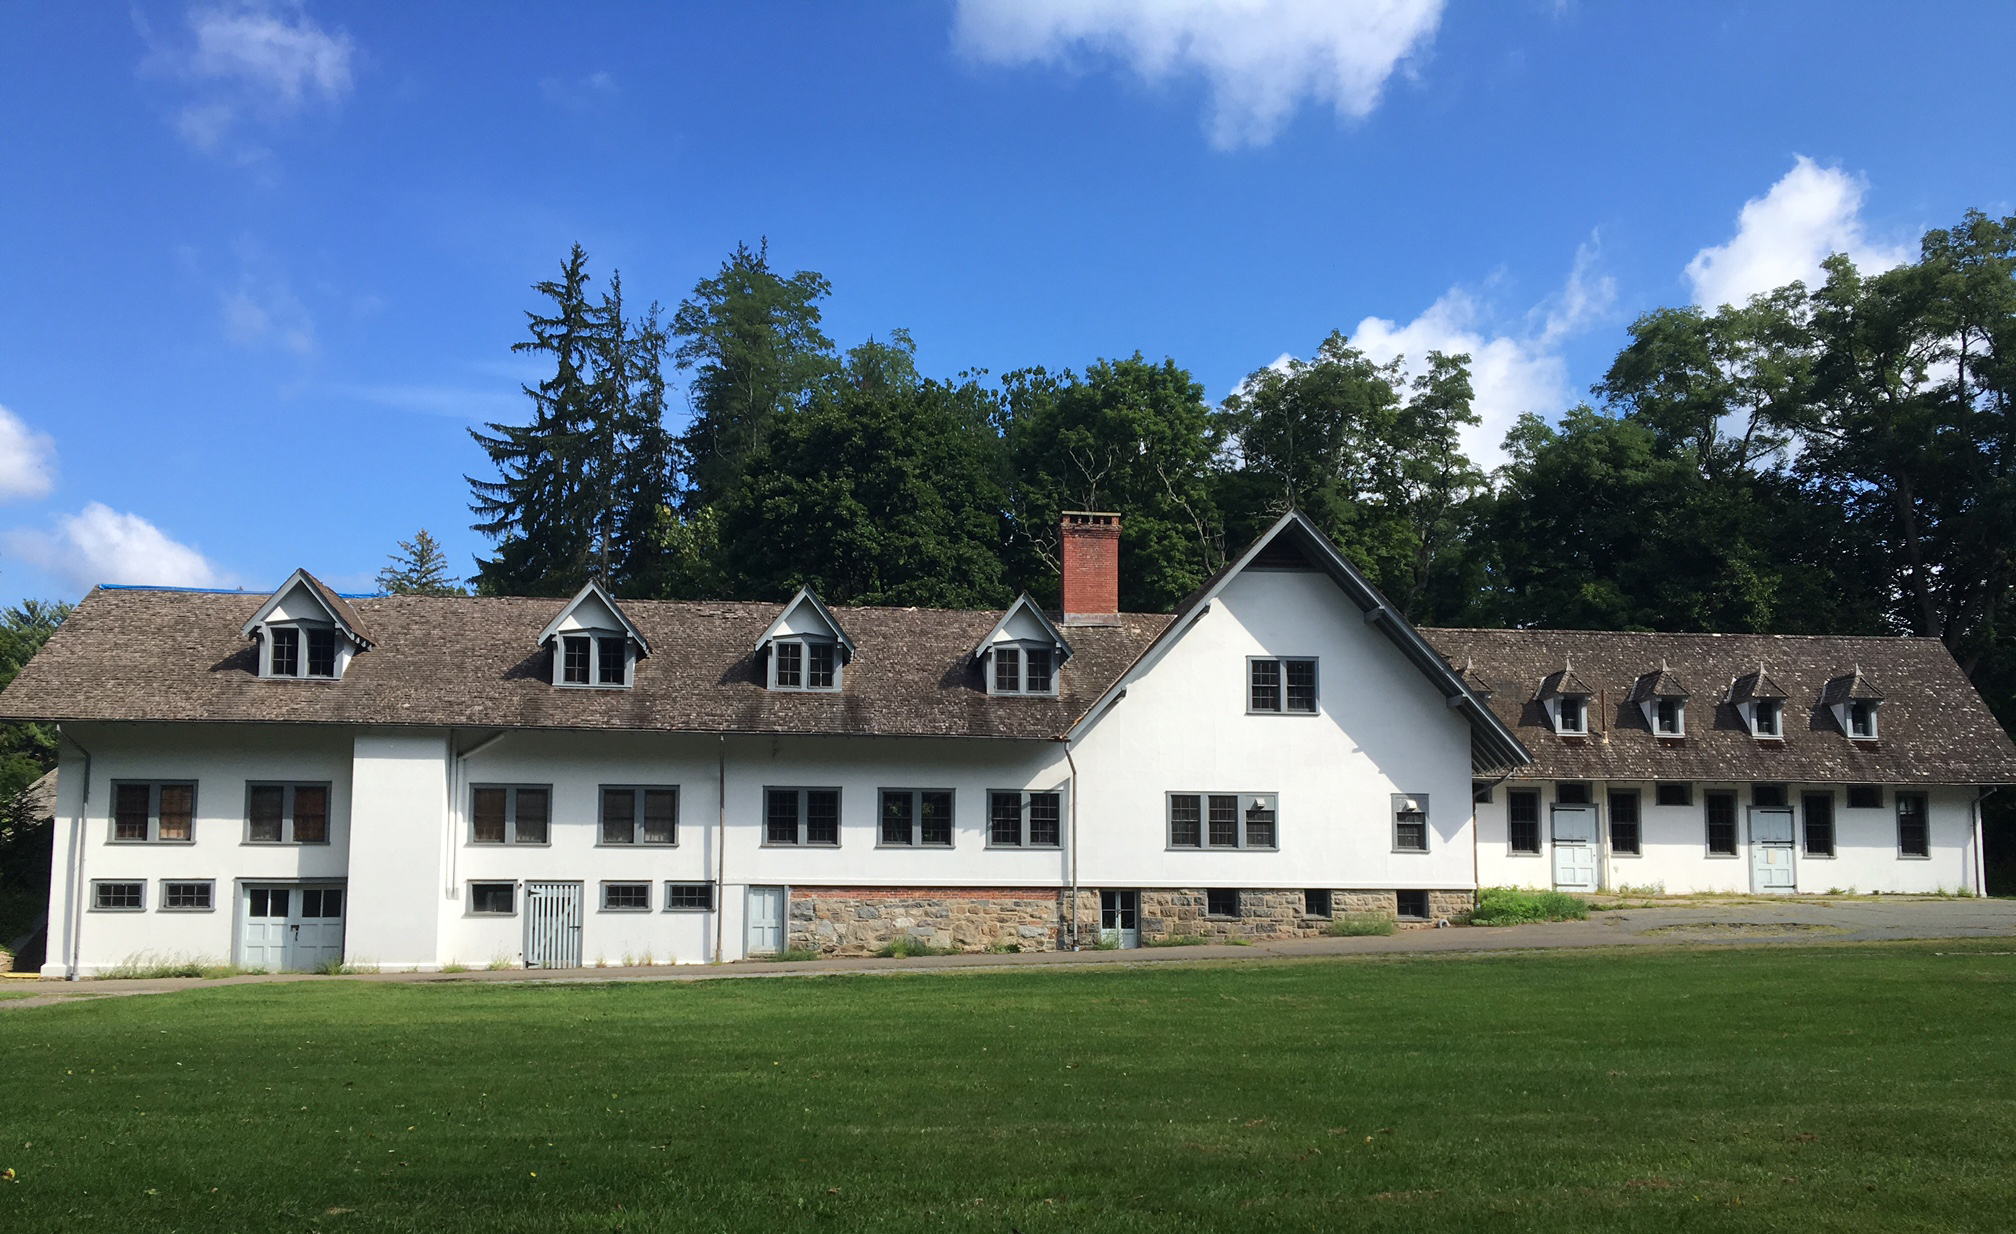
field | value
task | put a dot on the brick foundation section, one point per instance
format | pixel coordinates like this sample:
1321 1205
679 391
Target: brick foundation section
854 921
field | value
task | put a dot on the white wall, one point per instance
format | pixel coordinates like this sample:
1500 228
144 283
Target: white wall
399 847
221 759
1674 848
1381 728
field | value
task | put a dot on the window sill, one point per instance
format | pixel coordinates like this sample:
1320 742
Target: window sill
1520 852
1220 848
1618 852
283 844
774 844
1914 856
900 848
686 910
1721 856
509 844
1412 852
1025 848
190 843
620 911
1297 712
490 916
591 685
633 844
96 909
211 909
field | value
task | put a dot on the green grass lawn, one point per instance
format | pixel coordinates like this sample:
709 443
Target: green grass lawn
1868 1087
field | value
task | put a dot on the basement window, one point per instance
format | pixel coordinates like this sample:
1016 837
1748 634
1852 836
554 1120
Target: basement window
1410 905
1316 904
1220 902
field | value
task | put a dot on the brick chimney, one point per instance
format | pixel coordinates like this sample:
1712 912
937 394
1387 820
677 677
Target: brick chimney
1090 562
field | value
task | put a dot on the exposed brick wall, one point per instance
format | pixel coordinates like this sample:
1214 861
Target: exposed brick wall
1090 565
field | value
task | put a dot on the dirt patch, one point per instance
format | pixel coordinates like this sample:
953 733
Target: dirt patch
1742 929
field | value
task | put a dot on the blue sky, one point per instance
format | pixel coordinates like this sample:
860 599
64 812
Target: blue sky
261 264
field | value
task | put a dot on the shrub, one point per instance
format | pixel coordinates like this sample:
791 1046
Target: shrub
1351 925
1515 906
910 945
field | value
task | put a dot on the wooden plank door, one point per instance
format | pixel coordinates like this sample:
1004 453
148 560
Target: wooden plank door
552 925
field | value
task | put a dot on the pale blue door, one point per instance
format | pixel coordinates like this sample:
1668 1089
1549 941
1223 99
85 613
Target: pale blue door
1574 836
766 920
1771 868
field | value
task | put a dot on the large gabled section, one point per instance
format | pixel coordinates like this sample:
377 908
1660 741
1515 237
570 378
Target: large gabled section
1295 543
593 643
1023 653
805 648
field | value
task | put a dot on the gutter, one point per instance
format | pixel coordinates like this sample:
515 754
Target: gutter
721 849
77 862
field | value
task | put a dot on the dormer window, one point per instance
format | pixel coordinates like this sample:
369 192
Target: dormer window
594 645
1862 719
1571 715
1663 699
1761 704
805 648
1855 700
1566 700
1022 653
1770 718
1672 717
305 630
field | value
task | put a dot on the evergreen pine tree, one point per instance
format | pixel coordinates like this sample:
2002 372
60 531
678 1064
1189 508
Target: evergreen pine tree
419 568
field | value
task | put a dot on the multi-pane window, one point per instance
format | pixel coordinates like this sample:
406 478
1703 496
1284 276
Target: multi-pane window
155 812
188 896
640 815
819 666
1914 832
689 897
1865 796
1223 820
1522 813
1572 714
594 660
1768 796
801 816
321 652
1020 670
1624 835
1007 670
1770 717
1410 822
611 655
575 653
1862 719
1720 810
1025 820
502 814
1281 685
1672 794
1572 793
287 814
1221 902
1316 903
1671 714
285 658
790 662
118 897
917 817
802 664
626 897
320 902
1817 815
1410 905
493 899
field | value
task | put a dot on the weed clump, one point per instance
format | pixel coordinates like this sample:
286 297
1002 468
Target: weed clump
1353 925
1516 906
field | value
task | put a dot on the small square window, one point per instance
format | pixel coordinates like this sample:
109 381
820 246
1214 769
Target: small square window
1316 903
626 897
287 814
493 899
1281 686
188 897
1480 792
1865 796
1675 794
1410 905
689 897
1024 820
111 897
1219 902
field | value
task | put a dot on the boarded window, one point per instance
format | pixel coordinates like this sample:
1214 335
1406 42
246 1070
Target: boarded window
1624 835
1914 831
311 814
178 812
1817 815
1522 811
1720 809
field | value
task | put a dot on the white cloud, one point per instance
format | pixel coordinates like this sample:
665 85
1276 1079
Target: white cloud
262 311
265 59
27 460
1512 371
101 545
1810 214
1262 58
582 94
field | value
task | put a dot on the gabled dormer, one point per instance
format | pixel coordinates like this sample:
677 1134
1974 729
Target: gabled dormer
1854 700
1470 677
805 648
1024 653
305 631
1566 698
594 645
1663 700
1761 704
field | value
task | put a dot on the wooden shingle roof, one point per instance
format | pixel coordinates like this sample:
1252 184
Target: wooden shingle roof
1936 729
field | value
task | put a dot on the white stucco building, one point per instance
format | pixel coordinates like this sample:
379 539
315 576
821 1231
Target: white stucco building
412 782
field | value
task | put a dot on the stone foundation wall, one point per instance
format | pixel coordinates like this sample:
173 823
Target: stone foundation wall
862 920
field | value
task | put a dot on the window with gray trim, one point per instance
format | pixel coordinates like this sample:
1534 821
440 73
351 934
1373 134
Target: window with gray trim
1571 715
1410 822
1522 814
1865 796
1024 820
1624 831
804 664
1221 902
626 897
1914 831
286 813
196 895
493 899
284 645
1817 816
1410 905
1719 809
118 896
1573 793
1316 903
1224 820
1770 717
1862 720
595 660
689 897
510 813
153 812
1674 794
801 817
636 814
1281 685
1768 796
916 818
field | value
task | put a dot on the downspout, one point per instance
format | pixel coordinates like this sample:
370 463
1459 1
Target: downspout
457 770
77 862
1980 840
721 847
1073 764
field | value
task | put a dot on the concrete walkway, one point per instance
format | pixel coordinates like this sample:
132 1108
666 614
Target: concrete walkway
1718 922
